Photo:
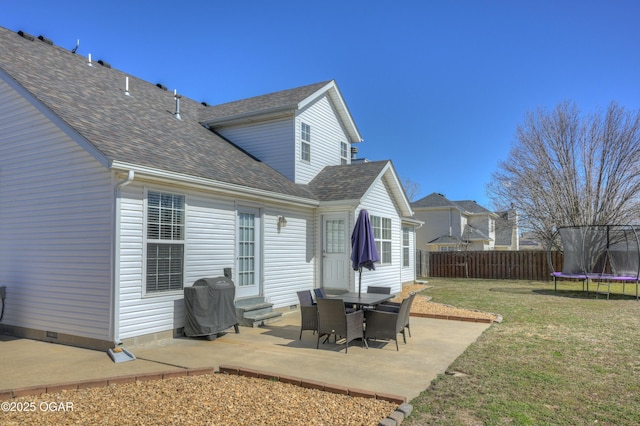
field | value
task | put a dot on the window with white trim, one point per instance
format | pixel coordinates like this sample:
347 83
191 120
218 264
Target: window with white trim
305 142
165 242
406 249
382 235
344 153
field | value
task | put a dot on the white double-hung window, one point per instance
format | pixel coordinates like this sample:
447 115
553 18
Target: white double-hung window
305 142
382 235
165 242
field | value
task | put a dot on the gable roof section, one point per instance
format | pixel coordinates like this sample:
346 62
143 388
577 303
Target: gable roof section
281 103
472 207
434 200
353 181
136 130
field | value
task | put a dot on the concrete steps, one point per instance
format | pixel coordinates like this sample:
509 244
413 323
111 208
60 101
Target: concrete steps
255 311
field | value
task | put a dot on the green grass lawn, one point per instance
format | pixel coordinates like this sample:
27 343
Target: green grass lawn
556 358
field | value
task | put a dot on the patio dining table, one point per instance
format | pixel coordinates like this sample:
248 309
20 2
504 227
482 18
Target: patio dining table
364 299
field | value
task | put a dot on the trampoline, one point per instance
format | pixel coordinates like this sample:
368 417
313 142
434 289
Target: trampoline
601 253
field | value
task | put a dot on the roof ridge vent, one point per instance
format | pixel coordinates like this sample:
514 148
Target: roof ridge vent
45 40
104 64
26 35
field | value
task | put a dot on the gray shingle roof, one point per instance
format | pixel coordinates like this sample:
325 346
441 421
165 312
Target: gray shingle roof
347 182
285 99
434 200
471 206
140 129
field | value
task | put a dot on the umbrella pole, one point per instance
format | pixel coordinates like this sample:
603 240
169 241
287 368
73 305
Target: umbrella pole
360 281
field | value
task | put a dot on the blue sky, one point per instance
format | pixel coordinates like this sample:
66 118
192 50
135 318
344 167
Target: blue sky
438 87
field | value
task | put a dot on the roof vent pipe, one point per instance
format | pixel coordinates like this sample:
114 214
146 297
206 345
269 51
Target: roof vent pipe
89 63
177 98
126 86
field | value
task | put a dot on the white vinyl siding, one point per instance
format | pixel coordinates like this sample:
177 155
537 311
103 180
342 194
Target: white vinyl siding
289 256
272 142
210 222
55 226
378 202
326 134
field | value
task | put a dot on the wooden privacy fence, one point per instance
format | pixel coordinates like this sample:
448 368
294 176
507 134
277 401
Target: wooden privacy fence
513 265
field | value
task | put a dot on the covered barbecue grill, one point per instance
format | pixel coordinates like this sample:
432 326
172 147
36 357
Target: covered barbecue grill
209 307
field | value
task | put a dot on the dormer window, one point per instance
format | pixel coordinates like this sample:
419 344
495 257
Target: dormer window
344 152
305 142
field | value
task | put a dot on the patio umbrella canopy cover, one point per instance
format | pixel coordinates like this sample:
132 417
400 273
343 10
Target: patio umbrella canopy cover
364 252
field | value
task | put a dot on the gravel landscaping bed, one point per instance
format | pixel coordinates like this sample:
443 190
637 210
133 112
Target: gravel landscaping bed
214 399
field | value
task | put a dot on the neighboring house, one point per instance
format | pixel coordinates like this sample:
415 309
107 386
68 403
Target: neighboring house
528 241
118 194
507 231
460 225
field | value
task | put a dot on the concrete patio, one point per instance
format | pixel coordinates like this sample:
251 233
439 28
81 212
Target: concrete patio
274 349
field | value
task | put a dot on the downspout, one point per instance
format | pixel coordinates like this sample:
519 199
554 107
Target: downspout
116 258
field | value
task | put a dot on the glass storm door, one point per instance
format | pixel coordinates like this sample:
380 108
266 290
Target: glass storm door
248 254
335 252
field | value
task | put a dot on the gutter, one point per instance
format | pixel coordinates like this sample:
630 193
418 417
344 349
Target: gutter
209 184
115 305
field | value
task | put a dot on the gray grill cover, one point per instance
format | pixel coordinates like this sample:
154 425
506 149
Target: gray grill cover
209 307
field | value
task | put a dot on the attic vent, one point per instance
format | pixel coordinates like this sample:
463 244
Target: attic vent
205 104
104 64
161 86
25 35
45 40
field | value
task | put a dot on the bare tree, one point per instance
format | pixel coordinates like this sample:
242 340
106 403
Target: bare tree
411 188
569 169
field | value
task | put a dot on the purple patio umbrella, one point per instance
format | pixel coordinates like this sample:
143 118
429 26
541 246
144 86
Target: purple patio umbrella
363 246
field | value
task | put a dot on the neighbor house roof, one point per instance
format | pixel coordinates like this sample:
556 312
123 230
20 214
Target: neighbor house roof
139 128
434 200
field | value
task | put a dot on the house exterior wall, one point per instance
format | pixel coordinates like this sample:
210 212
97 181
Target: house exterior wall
287 266
378 202
326 135
55 226
436 224
273 142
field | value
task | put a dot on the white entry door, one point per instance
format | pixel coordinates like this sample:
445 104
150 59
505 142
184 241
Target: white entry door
248 250
335 251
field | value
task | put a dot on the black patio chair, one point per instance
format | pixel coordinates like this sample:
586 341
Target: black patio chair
308 312
395 308
333 319
320 293
387 325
